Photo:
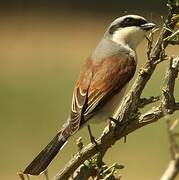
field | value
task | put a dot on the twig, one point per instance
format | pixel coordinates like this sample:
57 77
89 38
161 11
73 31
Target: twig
173 39
146 101
92 138
173 168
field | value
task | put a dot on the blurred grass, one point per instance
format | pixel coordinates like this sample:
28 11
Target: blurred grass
39 61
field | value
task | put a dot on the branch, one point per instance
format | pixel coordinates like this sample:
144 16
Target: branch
171 171
127 113
167 105
146 101
173 168
173 39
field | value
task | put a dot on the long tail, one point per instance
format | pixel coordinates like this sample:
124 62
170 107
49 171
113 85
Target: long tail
44 158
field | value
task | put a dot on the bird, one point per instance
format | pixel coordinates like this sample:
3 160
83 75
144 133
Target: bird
101 83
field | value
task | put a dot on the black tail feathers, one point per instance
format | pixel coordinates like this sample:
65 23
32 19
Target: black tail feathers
40 163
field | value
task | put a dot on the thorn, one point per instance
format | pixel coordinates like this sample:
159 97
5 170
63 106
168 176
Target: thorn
125 139
79 143
92 138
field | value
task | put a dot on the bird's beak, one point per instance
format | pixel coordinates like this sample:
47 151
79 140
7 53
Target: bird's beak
147 26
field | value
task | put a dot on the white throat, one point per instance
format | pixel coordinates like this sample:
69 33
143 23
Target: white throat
128 36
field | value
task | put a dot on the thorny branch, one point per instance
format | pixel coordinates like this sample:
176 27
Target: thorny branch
128 114
173 168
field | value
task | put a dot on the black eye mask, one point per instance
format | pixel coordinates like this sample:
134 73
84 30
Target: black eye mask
127 22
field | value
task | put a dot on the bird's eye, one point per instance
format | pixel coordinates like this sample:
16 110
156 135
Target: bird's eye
128 20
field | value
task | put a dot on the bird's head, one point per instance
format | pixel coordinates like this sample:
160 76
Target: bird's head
129 30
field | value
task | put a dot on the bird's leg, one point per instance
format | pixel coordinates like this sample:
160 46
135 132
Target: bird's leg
92 138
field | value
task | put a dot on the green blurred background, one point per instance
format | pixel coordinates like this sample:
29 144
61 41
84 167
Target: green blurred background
42 47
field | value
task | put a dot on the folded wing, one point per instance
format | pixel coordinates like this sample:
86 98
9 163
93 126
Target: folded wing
97 83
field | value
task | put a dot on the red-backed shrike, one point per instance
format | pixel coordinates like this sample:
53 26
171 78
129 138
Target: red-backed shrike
101 82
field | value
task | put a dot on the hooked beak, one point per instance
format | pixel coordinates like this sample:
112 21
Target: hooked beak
147 26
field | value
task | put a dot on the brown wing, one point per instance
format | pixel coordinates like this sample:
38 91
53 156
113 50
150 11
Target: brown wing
97 83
